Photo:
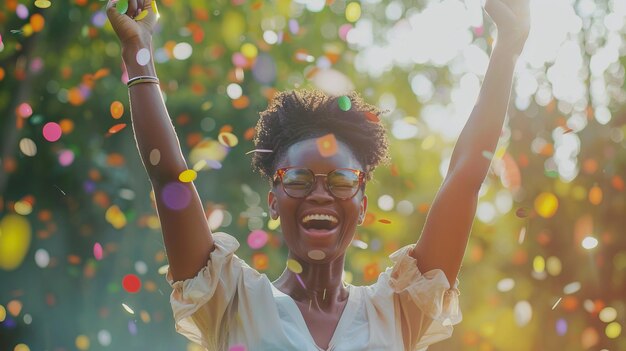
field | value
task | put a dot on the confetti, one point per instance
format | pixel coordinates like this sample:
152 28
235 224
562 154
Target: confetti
294 266
556 303
141 15
327 145
128 309
546 204
187 176
122 6
97 251
155 157
257 239
176 196
344 103
52 131
143 56
258 150
384 221
116 128
227 139
372 117
117 109
43 4
131 283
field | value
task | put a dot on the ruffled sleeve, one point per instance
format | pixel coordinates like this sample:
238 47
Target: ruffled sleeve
427 305
202 305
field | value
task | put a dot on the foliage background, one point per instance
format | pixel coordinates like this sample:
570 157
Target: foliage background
527 283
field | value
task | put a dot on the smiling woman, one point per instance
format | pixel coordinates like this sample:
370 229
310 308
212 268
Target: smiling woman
317 152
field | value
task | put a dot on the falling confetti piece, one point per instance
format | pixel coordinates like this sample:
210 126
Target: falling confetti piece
131 283
227 139
117 109
258 150
97 251
488 155
384 221
372 117
327 145
43 4
546 204
344 103
257 239
116 128
155 157
143 56
187 176
128 309
141 15
52 131
300 281
521 212
163 269
294 266
522 235
556 303
122 6
568 130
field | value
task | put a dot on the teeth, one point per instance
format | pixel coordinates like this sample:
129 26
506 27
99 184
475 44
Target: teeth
319 217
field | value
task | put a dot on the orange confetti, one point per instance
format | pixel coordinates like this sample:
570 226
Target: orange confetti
67 125
115 160
73 259
116 128
227 128
617 182
595 195
384 221
372 117
369 218
37 22
260 261
249 133
117 109
182 119
394 170
370 272
241 102
327 145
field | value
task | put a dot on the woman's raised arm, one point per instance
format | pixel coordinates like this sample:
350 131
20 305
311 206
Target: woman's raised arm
186 233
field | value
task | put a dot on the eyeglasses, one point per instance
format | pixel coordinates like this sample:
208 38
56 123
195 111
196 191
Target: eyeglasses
298 182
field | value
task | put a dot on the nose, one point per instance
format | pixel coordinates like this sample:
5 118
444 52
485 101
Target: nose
319 192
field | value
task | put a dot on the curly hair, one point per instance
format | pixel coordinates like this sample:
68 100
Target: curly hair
296 115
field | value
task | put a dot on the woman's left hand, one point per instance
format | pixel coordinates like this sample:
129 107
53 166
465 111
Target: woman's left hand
512 18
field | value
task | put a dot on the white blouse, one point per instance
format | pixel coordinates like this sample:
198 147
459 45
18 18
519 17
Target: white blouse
230 303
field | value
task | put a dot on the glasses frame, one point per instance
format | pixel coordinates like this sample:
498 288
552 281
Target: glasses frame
281 172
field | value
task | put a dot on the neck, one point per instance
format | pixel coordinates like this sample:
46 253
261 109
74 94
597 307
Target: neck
323 287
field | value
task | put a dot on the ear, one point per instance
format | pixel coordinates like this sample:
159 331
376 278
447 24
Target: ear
363 209
272 205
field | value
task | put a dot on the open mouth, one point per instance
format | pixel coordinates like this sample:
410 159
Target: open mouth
320 224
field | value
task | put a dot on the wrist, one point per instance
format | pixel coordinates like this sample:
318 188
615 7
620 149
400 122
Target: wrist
133 67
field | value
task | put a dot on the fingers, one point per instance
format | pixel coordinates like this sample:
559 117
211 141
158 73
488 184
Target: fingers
132 8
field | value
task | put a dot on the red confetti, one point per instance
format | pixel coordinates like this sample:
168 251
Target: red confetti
131 283
116 128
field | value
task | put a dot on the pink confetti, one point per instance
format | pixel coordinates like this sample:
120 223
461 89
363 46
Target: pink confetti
257 239
52 131
97 251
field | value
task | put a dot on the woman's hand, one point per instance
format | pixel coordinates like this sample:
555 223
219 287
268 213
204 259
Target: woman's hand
512 18
131 26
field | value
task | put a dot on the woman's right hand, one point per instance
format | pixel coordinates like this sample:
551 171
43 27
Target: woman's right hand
130 31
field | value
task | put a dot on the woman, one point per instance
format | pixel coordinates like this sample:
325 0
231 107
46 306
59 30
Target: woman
318 158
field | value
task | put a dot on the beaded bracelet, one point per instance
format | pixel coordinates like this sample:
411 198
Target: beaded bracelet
142 79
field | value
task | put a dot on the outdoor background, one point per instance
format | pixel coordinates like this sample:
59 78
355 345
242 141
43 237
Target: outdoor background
546 263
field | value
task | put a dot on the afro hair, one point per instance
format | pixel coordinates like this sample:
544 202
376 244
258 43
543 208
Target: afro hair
297 115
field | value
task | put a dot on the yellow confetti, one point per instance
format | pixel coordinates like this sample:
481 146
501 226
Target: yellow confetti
294 266
187 176
546 204
141 15
155 9
43 4
163 269
228 139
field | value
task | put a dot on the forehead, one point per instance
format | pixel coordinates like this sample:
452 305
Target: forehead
306 153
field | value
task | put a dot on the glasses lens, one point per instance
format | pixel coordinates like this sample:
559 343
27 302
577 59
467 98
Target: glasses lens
298 181
343 183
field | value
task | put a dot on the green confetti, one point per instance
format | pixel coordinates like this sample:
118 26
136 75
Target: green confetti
344 103
488 155
122 6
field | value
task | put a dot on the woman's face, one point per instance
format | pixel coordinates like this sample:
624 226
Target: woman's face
348 213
